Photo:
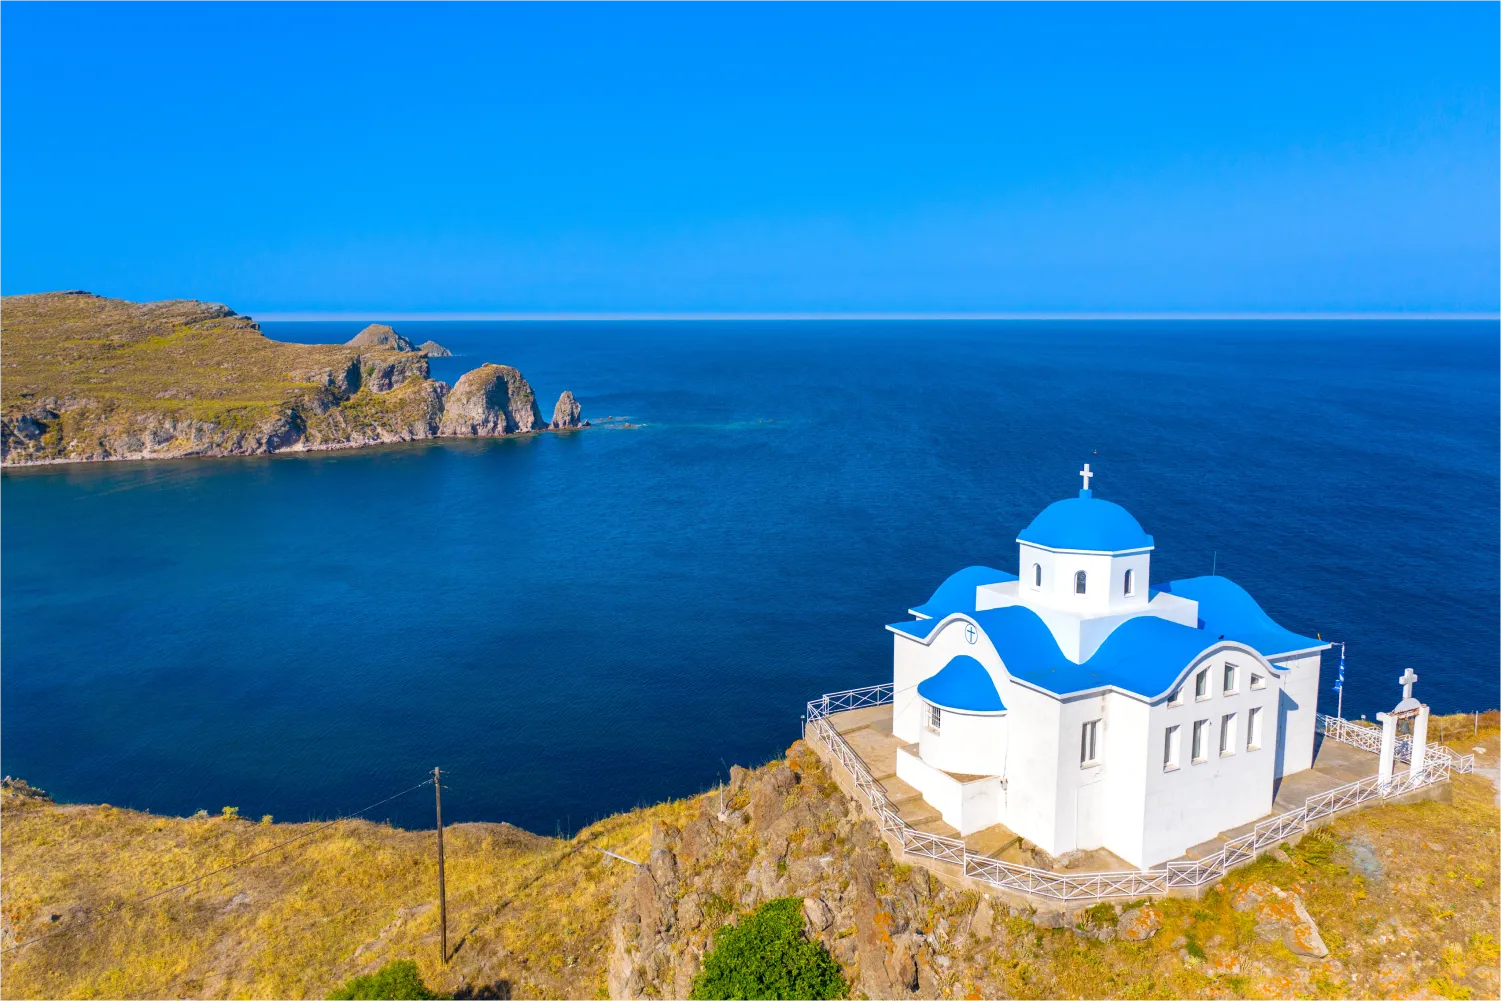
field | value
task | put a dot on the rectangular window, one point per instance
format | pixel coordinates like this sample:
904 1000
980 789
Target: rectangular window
1232 681
1227 735
1257 682
1253 730
1176 699
1201 684
1201 736
1172 747
935 718
1089 743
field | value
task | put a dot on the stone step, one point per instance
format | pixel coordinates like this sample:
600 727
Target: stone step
898 791
937 827
919 813
1204 849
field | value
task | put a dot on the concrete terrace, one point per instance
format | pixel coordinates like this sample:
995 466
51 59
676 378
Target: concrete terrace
868 732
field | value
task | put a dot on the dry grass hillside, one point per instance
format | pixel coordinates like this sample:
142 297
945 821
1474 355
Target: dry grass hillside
85 378
1404 896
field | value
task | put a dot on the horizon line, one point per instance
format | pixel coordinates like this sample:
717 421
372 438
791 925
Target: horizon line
283 316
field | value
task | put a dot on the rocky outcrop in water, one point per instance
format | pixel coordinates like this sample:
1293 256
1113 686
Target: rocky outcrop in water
434 349
378 335
491 400
566 413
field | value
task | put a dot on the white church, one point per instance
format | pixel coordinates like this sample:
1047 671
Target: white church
1084 707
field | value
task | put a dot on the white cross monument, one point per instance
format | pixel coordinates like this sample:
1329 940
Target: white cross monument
1408 708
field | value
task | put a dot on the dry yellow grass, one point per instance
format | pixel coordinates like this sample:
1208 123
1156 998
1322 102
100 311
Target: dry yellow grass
114 352
89 378
527 914
1405 896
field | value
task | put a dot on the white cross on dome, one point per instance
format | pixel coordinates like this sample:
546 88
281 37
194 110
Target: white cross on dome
1086 474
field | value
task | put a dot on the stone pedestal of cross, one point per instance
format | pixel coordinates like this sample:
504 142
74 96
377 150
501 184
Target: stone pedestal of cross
1408 708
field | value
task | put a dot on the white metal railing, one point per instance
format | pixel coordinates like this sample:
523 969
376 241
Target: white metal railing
1368 736
1131 883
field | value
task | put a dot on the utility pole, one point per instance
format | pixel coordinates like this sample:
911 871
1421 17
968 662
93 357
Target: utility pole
442 889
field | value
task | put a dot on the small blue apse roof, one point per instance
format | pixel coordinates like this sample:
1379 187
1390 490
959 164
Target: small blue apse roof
963 684
958 592
1145 655
1085 522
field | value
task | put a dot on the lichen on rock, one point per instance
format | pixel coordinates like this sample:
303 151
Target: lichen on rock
1281 916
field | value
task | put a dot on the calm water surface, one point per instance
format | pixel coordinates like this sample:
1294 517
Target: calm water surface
572 625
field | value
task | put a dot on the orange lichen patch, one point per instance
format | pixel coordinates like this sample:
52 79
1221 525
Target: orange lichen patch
1390 977
883 926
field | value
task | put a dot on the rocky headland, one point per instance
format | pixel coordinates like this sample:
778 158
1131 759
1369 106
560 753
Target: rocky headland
87 378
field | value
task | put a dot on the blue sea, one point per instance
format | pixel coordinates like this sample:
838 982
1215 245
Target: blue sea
571 625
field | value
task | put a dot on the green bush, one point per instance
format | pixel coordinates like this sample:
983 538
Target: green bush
767 956
397 979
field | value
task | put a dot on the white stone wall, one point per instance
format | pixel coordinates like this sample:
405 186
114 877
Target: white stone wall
1032 768
1104 580
1199 800
969 744
1128 726
967 807
1298 708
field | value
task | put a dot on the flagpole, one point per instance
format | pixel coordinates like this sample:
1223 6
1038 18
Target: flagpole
1340 688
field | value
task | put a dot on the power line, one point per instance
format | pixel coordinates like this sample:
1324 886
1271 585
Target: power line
223 868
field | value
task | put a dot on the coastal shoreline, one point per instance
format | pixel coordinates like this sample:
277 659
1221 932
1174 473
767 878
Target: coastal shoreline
7 466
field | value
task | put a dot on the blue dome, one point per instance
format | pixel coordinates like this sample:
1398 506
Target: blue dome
963 684
1084 522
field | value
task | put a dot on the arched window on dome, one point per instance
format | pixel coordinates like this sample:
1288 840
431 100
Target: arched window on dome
1079 580
1037 575
1130 581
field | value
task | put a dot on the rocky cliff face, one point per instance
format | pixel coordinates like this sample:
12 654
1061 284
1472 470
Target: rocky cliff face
87 378
784 831
491 400
434 349
566 413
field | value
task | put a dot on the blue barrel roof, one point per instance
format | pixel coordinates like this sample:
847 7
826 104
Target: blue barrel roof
1086 522
963 684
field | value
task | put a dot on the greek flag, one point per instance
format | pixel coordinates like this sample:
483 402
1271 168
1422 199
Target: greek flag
1339 682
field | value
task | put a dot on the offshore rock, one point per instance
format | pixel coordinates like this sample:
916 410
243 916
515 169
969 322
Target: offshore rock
566 413
378 335
434 349
490 401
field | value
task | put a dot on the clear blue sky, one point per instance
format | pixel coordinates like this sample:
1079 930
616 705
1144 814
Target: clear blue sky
394 158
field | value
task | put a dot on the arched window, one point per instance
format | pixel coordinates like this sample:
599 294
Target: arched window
1037 575
1079 582
1130 581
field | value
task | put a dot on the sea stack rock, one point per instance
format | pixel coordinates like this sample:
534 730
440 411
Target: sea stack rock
566 413
489 401
434 349
378 335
